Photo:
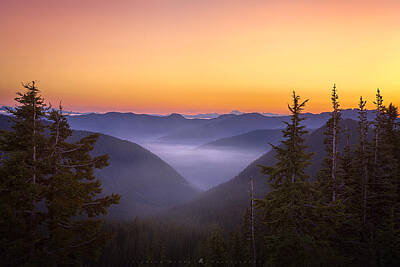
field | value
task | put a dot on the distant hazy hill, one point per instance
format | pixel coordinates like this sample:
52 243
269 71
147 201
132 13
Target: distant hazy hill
257 140
225 126
226 203
177 128
147 184
130 125
229 125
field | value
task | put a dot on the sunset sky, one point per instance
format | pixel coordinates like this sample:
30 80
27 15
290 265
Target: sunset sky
191 56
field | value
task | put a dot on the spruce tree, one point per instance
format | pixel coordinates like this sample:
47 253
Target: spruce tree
247 247
358 194
363 158
216 249
331 183
72 195
23 169
236 248
291 208
382 170
385 234
330 176
381 160
49 197
349 231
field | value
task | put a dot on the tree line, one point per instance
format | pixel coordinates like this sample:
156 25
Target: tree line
349 215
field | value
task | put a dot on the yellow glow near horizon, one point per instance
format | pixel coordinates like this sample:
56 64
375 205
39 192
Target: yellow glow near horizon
200 56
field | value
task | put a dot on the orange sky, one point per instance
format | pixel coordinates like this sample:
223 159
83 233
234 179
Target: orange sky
189 56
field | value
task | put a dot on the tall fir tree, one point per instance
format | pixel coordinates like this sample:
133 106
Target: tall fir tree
349 232
363 158
248 230
359 195
72 195
330 182
330 176
22 172
237 253
216 249
384 230
291 208
380 175
50 192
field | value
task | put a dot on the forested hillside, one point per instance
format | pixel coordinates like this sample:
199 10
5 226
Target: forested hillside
225 204
145 182
322 199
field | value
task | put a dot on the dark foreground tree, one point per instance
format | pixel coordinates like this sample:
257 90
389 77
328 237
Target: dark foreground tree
330 176
291 209
50 196
22 171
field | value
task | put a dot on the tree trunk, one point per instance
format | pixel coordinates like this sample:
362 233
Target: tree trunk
333 174
252 221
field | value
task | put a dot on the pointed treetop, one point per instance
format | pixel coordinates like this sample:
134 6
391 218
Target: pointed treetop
362 103
379 99
296 107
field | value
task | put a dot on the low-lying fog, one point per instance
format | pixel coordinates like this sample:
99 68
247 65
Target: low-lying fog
203 167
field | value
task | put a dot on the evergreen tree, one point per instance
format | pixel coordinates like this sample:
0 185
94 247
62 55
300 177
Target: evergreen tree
291 209
358 195
72 193
50 191
331 184
392 134
384 203
379 174
247 248
22 172
349 232
345 162
382 170
329 177
236 248
363 158
216 249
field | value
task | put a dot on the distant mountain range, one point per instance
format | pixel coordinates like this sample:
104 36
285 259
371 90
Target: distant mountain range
225 204
177 128
181 128
216 115
187 116
146 183
132 126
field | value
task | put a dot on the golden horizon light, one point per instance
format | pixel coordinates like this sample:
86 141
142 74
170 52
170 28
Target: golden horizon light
192 56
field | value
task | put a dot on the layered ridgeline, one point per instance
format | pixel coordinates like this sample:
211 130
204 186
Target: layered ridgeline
230 125
256 141
225 204
176 128
146 183
132 126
